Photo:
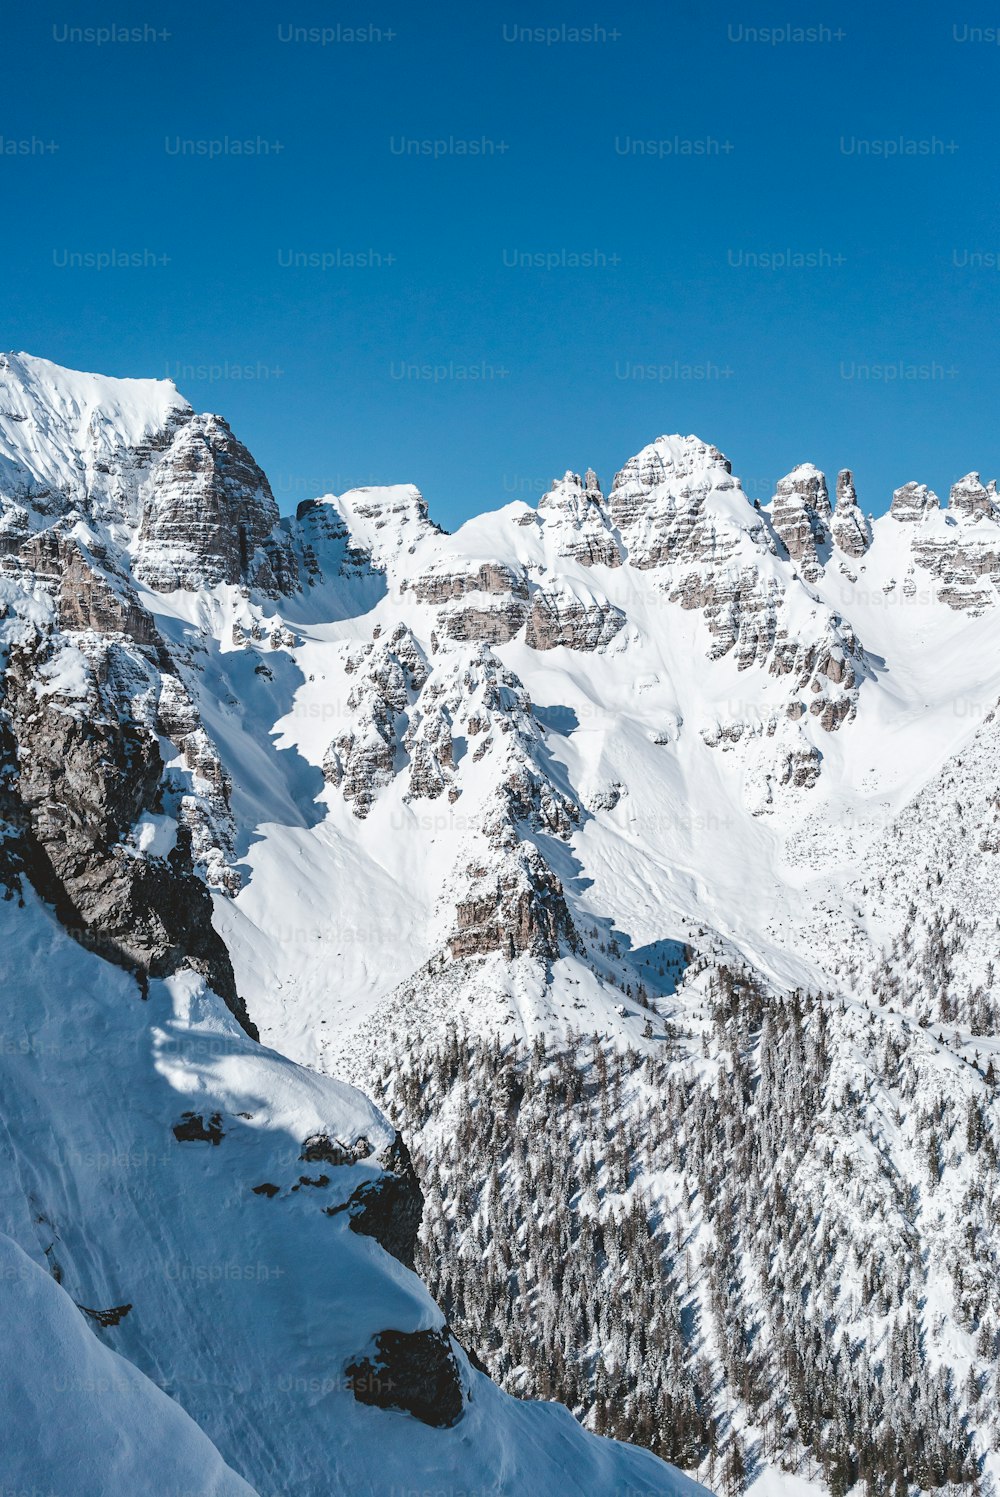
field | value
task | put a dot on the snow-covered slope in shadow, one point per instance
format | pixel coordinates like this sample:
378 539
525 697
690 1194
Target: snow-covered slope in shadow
200 1205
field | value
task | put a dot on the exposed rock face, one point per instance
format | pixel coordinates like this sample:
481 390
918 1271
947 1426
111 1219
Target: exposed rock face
971 499
192 1128
515 905
494 624
486 602
828 669
101 600
574 512
913 502
87 773
390 1208
966 567
429 742
387 522
959 549
204 809
660 502
362 757
209 516
15 524
413 1371
444 583
740 608
851 529
87 600
559 617
325 542
801 516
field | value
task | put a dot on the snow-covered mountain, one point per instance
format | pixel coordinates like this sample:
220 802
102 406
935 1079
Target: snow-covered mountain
634 850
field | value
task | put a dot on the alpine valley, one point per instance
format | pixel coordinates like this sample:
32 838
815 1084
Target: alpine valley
635 852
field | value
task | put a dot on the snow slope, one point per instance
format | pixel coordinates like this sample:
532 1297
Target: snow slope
244 1309
84 1416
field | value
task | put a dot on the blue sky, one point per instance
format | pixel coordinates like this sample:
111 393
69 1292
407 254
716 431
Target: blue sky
678 148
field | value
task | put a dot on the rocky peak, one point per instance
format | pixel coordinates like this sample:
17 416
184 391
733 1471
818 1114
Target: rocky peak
176 489
913 502
677 500
963 557
209 516
679 508
327 550
387 522
574 513
801 516
850 527
972 499
668 458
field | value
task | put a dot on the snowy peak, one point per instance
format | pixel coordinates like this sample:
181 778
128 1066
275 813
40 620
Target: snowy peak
79 439
973 500
177 491
577 521
668 458
913 502
387 521
677 500
136 408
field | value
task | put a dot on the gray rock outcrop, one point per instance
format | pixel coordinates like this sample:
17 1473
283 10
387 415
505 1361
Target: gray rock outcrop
972 499
801 516
912 502
575 515
850 526
390 1208
415 1372
559 617
86 772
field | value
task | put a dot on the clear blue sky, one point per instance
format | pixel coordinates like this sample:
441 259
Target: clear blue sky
774 167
